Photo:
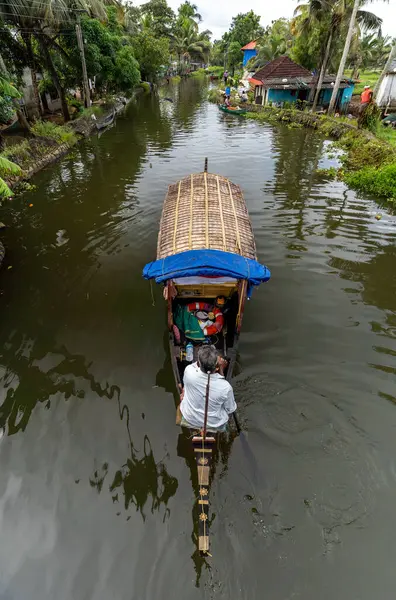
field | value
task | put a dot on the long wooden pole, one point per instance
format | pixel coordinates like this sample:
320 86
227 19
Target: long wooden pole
206 408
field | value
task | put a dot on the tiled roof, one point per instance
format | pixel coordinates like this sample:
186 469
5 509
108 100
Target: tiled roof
281 67
255 81
250 45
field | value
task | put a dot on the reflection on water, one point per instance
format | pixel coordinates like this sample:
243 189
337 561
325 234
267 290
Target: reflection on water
97 485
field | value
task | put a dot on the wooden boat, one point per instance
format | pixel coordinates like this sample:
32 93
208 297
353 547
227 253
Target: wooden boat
205 249
10 126
106 122
232 111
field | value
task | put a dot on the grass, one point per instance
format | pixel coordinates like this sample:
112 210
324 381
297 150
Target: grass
59 133
176 79
387 134
17 152
365 78
92 110
198 73
145 86
380 182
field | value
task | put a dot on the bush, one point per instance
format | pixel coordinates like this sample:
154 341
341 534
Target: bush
363 152
17 153
59 133
6 109
92 110
371 180
198 73
214 95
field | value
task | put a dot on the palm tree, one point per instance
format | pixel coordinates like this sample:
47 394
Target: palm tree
189 15
42 20
333 14
370 22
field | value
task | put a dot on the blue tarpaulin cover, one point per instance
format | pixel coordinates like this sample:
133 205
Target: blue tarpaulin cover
207 263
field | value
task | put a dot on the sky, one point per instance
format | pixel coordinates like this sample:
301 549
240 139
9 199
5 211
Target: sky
217 14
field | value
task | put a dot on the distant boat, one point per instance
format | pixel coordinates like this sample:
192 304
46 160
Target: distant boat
232 111
106 121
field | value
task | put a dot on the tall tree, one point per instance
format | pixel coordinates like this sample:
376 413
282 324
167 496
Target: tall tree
158 17
245 27
344 57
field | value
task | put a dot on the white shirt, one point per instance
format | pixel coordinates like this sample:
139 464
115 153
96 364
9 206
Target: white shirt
221 398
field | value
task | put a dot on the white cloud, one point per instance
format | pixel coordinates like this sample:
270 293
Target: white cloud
218 14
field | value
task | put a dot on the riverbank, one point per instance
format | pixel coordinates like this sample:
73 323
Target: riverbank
48 143
368 163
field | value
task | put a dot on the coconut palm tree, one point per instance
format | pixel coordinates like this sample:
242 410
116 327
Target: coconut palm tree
333 14
42 20
369 22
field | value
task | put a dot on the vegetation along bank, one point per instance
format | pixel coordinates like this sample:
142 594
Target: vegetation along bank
368 163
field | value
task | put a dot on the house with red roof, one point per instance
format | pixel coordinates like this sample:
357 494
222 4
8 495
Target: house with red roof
249 51
282 80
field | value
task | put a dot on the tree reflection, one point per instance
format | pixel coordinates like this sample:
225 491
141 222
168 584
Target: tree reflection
219 467
142 477
297 156
27 384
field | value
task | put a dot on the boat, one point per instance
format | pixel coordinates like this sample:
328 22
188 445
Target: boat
12 125
232 111
106 122
205 250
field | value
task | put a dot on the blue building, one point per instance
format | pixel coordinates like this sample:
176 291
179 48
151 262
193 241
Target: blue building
282 80
249 51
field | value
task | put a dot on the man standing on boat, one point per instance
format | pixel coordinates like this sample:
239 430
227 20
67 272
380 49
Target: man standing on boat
208 370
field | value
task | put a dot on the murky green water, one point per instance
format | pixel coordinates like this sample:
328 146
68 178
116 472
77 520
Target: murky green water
95 501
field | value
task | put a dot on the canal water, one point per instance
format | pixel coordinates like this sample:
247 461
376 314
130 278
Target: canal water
96 500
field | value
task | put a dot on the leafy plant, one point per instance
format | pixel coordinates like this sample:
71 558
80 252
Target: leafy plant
377 181
7 168
59 133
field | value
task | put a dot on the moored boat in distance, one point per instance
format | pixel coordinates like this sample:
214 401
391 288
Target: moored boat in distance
206 261
232 110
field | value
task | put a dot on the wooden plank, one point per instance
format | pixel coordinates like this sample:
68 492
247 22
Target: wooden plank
203 475
203 543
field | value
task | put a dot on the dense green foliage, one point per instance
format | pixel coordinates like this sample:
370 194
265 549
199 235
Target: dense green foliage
379 182
368 164
61 135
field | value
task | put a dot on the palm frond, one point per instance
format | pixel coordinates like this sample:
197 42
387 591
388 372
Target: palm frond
5 191
368 20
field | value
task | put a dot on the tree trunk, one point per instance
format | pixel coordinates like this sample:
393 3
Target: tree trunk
344 57
322 70
3 68
26 36
23 123
55 78
386 68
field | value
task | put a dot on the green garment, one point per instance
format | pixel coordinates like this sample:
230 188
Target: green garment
188 323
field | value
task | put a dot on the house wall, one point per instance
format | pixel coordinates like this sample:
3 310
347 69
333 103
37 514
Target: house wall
386 97
282 95
247 55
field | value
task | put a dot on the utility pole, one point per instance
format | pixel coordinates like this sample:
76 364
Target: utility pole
80 42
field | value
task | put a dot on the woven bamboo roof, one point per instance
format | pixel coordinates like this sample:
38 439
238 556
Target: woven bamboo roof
205 210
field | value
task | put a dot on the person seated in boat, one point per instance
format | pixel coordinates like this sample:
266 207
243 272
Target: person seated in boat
227 102
209 369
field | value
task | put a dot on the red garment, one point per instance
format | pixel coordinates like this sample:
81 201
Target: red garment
366 96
